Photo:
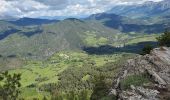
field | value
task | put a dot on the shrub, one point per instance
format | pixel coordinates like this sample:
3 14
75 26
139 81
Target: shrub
9 89
147 49
136 80
101 89
164 39
72 95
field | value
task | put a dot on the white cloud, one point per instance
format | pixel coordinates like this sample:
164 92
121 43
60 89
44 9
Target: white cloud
16 8
37 8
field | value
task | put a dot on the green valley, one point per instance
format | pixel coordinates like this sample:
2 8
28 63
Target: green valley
71 70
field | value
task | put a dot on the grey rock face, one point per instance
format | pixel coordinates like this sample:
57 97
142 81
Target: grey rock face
157 67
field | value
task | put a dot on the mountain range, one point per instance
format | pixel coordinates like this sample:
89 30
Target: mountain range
32 21
148 9
43 37
127 24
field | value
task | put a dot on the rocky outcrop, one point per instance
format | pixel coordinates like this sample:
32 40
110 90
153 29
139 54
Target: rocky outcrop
156 66
139 93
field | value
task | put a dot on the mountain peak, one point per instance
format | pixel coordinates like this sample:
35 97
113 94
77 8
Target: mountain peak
148 3
73 19
103 16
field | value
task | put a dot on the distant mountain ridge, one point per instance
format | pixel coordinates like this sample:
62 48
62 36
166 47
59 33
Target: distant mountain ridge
32 21
149 17
148 9
127 24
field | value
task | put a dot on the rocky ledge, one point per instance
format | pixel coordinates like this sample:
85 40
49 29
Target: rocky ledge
156 67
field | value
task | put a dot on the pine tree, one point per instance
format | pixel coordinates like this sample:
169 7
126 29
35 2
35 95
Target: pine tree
164 39
10 88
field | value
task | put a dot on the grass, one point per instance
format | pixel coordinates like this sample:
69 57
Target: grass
110 97
136 80
143 38
85 78
31 93
91 39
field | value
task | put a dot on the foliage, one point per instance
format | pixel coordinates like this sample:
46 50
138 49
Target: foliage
72 95
136 80
45 98
9 87
101 89
164 39
147 49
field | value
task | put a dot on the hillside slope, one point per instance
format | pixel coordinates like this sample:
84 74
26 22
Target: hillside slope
45 40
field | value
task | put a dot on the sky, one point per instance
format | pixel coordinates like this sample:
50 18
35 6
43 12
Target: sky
63 8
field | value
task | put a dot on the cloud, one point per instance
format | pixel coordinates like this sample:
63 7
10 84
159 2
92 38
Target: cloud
38 8
16 8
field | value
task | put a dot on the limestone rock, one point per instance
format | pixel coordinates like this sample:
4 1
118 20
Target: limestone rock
156 65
